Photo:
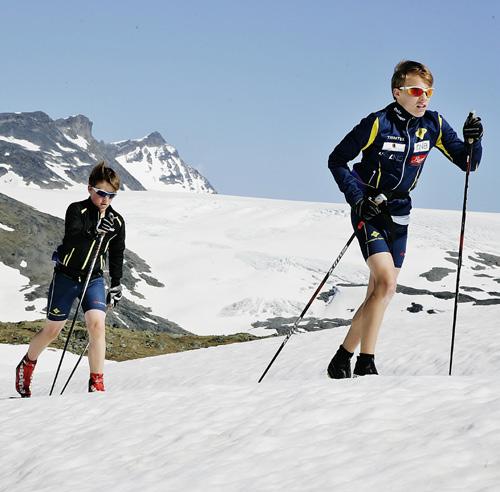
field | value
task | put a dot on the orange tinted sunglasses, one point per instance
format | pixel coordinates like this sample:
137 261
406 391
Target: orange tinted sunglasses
418 91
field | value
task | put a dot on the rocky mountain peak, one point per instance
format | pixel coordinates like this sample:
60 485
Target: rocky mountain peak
9 122
78 125
154 140
41 152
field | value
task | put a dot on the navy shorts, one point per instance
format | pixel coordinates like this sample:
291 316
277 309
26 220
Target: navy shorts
64 290
377 236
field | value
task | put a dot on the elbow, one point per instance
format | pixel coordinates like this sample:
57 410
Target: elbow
331 162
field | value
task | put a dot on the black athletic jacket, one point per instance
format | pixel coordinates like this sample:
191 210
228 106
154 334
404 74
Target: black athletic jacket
75 254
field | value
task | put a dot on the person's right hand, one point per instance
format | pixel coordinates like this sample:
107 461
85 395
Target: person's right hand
366 209
105 225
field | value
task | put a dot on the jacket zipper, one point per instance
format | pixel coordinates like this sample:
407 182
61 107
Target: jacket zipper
91 246
407 152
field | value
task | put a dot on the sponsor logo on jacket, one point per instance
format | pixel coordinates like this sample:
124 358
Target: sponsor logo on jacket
422 146
416 160
421 132
394 147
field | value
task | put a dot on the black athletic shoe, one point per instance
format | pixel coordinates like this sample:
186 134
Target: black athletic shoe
340 365
365 365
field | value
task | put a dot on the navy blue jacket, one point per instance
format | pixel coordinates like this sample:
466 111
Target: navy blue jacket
394 146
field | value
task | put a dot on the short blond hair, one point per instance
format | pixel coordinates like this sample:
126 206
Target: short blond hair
407 67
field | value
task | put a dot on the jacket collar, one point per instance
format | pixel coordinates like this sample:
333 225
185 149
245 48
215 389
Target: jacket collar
400 115
90 205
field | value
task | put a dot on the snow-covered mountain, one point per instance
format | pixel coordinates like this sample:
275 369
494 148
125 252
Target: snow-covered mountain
229 264
39 152
157 165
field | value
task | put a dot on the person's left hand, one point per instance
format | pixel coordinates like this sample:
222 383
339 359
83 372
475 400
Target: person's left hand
114 296
473 128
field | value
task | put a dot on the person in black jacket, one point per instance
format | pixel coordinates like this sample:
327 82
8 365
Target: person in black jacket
394 143
85 223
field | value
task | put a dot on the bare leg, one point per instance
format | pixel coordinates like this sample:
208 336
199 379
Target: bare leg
353 337
44 338
97 339
368 318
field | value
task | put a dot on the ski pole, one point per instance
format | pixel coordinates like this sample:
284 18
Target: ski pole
76 365
74 368
87 280
470 141
378 200
297 321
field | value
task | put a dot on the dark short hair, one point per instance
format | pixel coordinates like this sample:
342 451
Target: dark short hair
101 172
406 67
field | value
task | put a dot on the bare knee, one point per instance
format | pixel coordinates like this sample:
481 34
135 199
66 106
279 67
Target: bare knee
95 329
52 329
95 321
385 288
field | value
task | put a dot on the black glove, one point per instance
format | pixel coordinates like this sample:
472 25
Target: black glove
114 296
105 225
366 209
473 128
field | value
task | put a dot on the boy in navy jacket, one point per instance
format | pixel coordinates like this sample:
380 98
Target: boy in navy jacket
394 143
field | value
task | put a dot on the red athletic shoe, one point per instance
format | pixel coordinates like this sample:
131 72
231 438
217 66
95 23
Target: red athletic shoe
96 382
24 374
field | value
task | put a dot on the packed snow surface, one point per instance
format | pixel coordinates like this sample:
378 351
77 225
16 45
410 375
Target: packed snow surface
199 421
12 281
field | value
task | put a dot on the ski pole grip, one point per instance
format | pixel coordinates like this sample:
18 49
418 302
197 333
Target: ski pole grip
472 114
111 217
379 199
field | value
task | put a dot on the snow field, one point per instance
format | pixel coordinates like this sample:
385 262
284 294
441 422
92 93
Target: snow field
199 420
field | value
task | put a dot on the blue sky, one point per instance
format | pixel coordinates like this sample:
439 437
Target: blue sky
256 94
